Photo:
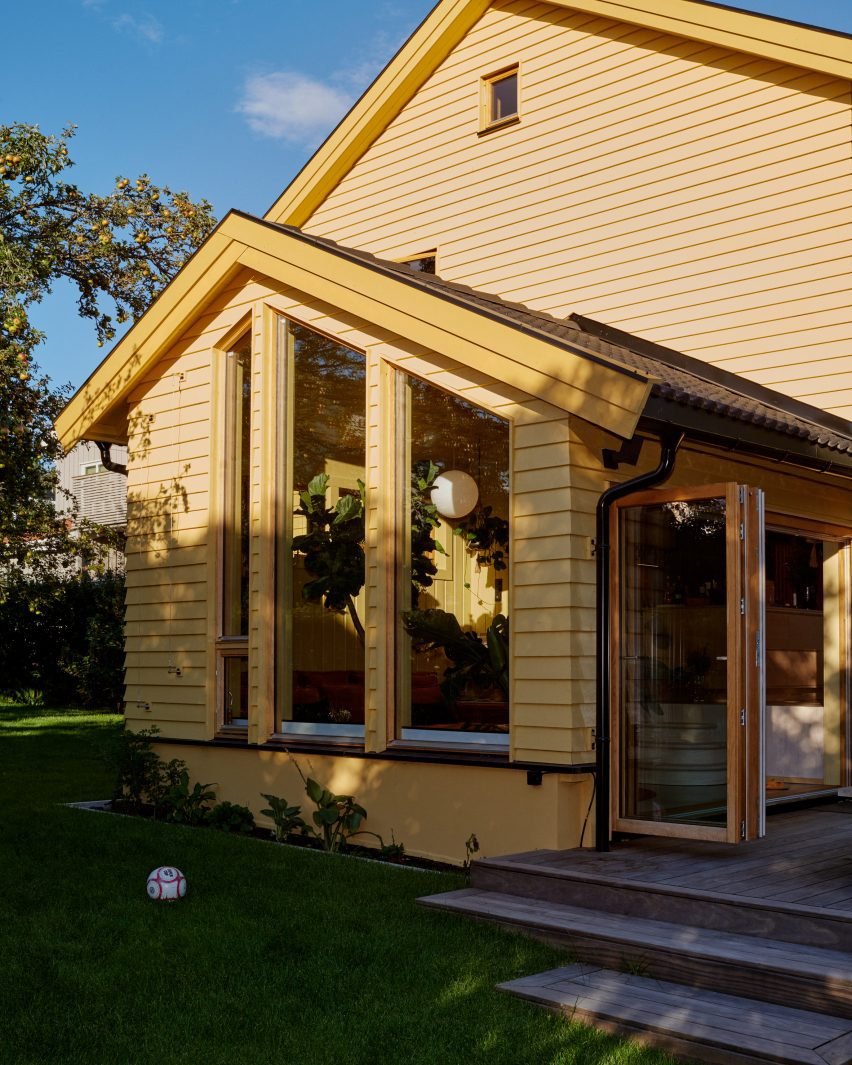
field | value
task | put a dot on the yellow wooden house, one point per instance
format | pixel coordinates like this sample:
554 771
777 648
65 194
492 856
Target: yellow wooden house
560 312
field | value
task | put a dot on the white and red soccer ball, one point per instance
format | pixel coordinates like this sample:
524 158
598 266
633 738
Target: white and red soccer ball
166 883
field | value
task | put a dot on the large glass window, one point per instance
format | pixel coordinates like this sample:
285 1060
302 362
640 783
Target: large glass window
235 560
237 492
321 565
453 669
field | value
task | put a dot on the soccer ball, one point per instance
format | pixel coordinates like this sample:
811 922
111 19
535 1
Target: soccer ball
166 883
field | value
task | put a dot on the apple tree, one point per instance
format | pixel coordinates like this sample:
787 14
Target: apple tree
118 250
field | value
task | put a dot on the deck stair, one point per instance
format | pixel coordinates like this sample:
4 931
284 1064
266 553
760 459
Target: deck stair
718 954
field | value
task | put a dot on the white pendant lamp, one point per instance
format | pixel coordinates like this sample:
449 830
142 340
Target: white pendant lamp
455 494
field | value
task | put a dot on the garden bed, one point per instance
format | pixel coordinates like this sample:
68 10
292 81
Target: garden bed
266 835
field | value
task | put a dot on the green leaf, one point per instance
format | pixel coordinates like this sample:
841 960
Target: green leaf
317 485
347 508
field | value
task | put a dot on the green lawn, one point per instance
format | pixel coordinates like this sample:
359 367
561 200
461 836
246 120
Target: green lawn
276 955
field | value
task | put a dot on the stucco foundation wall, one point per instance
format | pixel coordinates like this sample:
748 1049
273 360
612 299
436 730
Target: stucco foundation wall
431 809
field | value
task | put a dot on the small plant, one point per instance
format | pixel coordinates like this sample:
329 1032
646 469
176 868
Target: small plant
231 817
165 777
185 805
337 817
138 767
285 817
28 697
471 847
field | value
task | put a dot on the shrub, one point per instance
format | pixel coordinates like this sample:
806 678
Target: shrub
63 636
231 817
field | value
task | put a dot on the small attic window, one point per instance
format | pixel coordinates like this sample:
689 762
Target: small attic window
422 264
500 99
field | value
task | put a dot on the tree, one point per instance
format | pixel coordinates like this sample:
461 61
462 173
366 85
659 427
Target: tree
119 250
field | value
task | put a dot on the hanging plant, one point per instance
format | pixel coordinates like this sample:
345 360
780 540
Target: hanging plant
487 537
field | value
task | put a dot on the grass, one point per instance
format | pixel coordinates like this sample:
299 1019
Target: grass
277 955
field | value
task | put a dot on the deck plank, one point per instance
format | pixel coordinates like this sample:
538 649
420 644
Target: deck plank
707 1023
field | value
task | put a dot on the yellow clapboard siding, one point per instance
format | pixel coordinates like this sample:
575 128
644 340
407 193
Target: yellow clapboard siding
174 728
168 690
749 158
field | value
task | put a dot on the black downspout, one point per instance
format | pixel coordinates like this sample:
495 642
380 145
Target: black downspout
669 443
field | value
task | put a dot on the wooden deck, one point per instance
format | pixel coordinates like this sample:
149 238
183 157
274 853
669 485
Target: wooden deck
804 859
767 922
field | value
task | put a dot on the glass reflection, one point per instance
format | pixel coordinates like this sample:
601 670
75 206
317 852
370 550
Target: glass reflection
673 663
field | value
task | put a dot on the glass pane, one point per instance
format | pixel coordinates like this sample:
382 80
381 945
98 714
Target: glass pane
235 711
504 98
673 663
328 426
454 590
238 488
798 745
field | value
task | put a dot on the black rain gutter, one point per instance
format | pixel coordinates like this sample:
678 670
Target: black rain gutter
670 441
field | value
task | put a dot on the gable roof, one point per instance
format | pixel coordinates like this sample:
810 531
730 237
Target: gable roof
516 350
603 375
825 51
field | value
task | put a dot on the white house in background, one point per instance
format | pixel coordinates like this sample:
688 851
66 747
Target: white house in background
101 494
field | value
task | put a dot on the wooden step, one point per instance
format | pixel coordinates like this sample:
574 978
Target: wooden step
815 978
697 1024
791 922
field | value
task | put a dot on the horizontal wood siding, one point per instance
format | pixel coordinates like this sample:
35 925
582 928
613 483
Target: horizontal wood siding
698 197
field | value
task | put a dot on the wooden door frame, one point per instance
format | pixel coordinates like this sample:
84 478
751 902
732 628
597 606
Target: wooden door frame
743 537
828 532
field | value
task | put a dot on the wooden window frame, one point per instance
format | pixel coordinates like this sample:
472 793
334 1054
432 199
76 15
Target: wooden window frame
231 646
487 82
319 734
399 736
828 532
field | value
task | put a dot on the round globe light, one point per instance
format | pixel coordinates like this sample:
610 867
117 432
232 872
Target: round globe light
166 883
455 494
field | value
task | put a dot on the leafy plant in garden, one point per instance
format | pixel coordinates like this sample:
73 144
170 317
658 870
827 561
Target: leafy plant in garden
231 817
476 665
337 817
143 778
333 548
286 818
187 805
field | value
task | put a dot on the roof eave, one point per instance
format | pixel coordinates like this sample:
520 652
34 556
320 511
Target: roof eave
578 382
738 436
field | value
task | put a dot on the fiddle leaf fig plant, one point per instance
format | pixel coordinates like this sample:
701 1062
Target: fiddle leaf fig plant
424 520
332 548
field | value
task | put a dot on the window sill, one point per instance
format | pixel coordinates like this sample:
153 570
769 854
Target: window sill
503 123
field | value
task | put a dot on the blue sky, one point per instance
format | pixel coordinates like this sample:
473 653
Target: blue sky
224 98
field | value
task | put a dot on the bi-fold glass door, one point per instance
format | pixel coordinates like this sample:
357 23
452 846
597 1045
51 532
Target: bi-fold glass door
686 663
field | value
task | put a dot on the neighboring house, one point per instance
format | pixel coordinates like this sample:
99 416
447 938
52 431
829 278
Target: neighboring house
629 232
99 494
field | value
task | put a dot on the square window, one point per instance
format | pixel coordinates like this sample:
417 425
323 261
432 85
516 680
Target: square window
500 99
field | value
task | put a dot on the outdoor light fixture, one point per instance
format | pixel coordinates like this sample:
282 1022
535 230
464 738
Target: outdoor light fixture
455 494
